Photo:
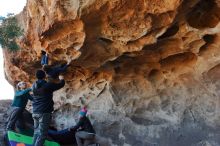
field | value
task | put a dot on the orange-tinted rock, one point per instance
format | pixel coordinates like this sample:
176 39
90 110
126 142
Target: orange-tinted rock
146 69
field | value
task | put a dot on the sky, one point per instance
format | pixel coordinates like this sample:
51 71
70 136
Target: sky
8 6
11 6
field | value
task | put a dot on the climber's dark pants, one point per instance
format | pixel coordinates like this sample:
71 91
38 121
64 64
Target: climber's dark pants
16 115
84 138
41 126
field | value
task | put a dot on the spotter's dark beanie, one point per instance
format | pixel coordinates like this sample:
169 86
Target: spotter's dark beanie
40 74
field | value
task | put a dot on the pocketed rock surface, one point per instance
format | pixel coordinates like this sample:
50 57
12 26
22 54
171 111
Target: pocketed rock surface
148 70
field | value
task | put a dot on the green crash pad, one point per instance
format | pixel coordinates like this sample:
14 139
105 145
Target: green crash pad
16 139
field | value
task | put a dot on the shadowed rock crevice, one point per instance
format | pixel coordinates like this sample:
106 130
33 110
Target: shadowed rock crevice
204 15
170 32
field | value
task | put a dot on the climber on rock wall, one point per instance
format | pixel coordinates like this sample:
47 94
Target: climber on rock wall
85 134
65 136
44 58
43 105
54 71
18 106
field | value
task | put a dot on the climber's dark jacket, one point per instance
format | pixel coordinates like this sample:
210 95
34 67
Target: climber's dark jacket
63 137
54 72
43 95
84 124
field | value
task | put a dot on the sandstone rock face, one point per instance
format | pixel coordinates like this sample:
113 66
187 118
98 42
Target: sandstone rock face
148 70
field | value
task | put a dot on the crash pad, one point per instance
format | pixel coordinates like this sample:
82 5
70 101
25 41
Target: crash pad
16 139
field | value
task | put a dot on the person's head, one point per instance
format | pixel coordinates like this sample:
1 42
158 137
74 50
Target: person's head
43 52
82 112
40 75
21 85
46 68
